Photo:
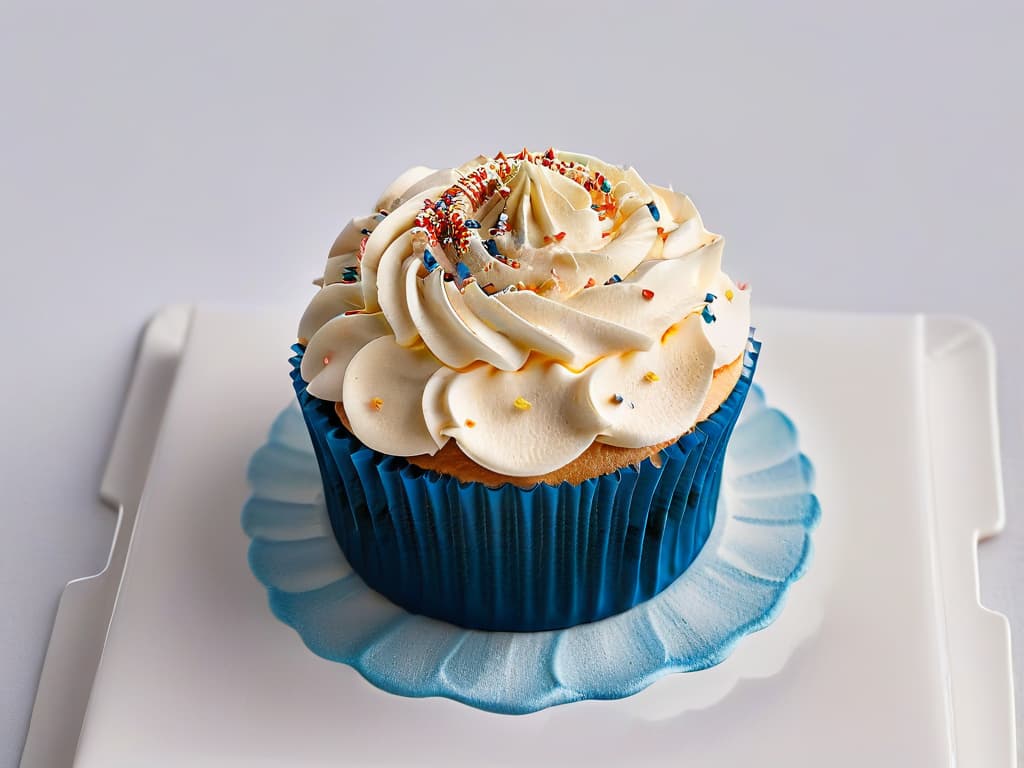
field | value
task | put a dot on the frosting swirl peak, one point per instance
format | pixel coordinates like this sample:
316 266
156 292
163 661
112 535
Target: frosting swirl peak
524 306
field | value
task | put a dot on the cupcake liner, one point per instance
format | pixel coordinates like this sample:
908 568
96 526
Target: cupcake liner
518 559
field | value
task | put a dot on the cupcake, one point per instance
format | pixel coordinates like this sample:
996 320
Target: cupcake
520 377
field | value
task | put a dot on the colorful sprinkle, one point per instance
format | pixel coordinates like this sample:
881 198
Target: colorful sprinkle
523 404
492 247
472 224
652 377
729 295
463 271
429 261
707 315
654 211
365 231
612 280
327 360
606 187
647 294
376 403
470 423
743 286
591 282
709 297
662 234
617 398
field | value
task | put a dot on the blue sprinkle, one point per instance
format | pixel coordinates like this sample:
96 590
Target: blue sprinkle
617 398
365 231
606 187
613 279
492 247
463 270
654 211
502 217
428 260
595 207
710 297
472 224
708 317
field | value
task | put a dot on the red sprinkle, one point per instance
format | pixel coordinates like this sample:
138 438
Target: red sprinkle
560 237
590 283
647 294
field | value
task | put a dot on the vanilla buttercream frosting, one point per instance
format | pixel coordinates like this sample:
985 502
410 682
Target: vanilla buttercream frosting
524 306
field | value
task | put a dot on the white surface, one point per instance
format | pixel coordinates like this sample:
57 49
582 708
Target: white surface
80 627
863 157
192 637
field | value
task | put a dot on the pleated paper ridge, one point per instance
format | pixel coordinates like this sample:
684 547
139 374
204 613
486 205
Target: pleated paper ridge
759 545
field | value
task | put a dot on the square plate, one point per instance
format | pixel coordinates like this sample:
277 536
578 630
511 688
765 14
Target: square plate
905 668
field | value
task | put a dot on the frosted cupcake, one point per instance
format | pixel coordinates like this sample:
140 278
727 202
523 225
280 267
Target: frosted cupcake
520 377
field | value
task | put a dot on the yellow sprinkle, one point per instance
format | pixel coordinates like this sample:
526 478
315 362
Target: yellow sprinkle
652 376
376 403
523 404
470 423
729 294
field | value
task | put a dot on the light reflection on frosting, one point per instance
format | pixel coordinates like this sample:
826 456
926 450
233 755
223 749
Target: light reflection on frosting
550 279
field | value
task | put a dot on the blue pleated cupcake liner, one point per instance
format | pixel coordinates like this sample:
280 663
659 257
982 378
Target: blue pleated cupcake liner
513 559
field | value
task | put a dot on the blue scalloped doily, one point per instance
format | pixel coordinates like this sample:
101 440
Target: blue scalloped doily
760 544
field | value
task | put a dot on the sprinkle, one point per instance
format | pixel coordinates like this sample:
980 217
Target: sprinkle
709 297
365 231
605 186
662 234
654 211
327 360
559 237
463 271
472 224
606 234
707 315
523 404
429 261
743 286
550 154
591 282
652 377
350 312
376 403
613 279
617 398
647 294
470 423
729 295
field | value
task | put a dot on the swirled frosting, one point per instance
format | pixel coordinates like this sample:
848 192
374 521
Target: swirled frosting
524 306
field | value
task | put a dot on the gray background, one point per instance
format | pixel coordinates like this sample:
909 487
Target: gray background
863 156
